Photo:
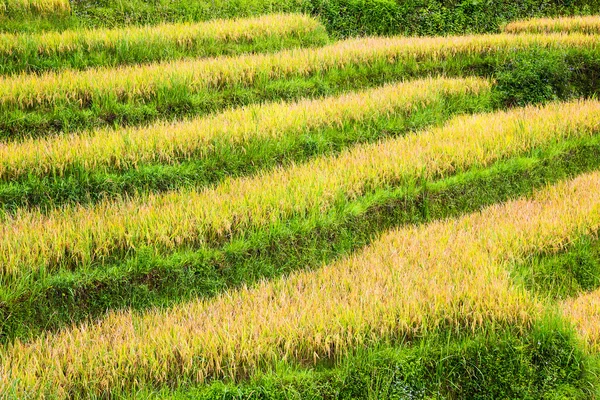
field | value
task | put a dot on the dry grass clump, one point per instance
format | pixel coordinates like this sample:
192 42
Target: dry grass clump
181 34
584 312
134 81
449 274
586 24
79 235
167 142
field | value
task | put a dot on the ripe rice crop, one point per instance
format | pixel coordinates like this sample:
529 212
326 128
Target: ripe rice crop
35 6
586 24
57 50
412 281
76 236
183 34
169 142
82 87
584 312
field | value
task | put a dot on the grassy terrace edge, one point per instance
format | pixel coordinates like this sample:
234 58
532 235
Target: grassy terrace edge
286 75
564 274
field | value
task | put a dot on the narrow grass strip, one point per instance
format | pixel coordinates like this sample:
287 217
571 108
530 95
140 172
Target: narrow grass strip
31 307
584 312
583 24
32 241
83 87
86 48
569 273
448 274
41 7
167 143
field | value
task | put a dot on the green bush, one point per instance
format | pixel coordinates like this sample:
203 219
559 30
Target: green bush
533 77
436 17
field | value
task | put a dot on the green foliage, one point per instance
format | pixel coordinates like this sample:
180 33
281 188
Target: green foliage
435 17
535 76
566 273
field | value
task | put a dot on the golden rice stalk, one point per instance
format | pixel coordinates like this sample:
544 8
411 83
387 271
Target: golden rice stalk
584 312
77 235
36 6
181 34
586 24
449 274
166 141
132 81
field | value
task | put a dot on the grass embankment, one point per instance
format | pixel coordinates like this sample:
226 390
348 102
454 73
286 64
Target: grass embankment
70 100
110 163
81 49
308 214
563 275
377 295
584 24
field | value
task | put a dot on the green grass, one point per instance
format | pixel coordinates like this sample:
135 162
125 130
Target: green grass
146 279
564 274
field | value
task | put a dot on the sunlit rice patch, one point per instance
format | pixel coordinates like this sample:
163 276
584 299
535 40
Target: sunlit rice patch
584 24
411 281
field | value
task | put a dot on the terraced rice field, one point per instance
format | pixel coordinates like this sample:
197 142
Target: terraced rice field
255 207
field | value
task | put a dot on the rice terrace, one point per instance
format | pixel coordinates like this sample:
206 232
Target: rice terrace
299 199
